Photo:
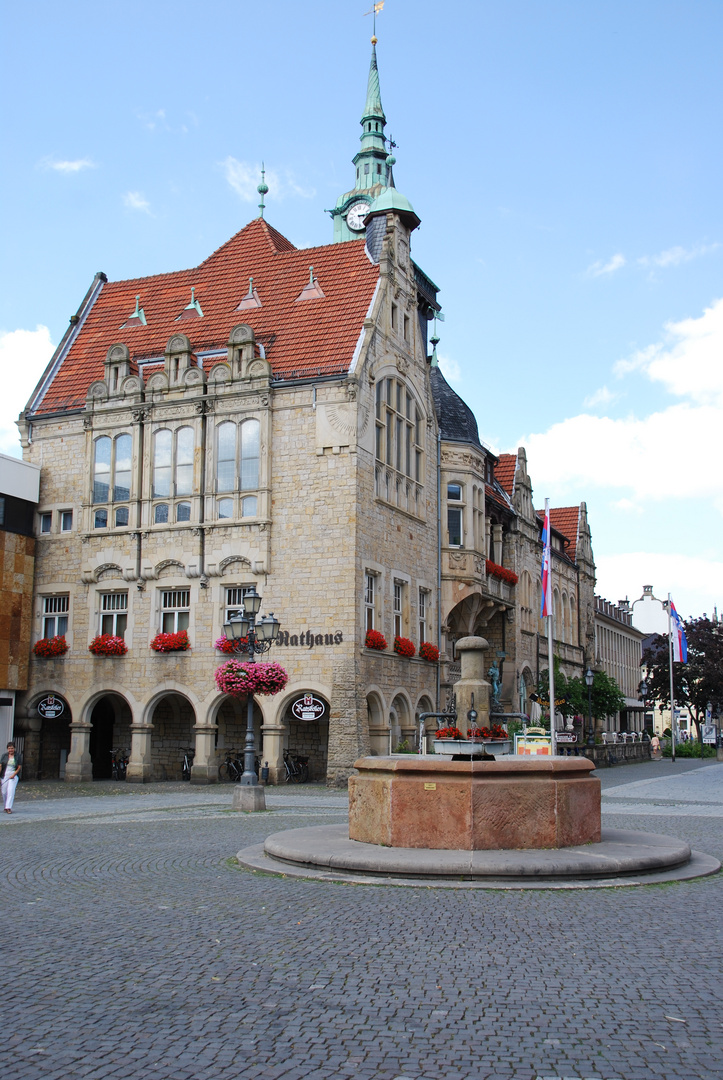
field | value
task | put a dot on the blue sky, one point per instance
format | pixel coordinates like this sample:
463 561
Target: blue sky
564 157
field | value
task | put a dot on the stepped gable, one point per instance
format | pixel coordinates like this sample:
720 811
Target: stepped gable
505 470
302 340
456 419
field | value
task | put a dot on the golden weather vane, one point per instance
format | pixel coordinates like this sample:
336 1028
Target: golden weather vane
375 10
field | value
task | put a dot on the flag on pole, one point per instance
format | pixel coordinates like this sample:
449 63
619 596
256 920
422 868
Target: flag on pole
545 575
680 642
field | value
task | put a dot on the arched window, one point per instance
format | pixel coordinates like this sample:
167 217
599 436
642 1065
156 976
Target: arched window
573 620
101 470
249 506
249 470
162 464
565 619
122 470
226 457
160 514
183 511
225 509
184 461
101 519
121 517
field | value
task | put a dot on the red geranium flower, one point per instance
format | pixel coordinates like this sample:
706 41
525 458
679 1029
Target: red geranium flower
171 642
428 651
108 645
403 646
49 647
375 640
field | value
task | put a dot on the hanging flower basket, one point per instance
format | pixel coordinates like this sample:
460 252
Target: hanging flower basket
501 572
375 640
228 645
108 645
404 647
171 642
428 651
237 679
50 647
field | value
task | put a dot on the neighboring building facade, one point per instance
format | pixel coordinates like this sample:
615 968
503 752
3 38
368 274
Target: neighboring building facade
19 483
618 652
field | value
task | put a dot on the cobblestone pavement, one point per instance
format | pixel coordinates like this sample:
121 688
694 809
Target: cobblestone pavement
135 948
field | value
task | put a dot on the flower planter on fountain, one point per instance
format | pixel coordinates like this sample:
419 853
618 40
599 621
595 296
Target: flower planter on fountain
480 742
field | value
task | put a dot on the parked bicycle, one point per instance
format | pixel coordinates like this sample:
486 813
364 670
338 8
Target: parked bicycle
297 768
232 767
188 756
119 764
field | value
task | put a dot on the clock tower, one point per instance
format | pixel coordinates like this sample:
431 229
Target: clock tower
373 164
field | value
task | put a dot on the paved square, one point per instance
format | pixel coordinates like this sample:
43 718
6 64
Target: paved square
136 948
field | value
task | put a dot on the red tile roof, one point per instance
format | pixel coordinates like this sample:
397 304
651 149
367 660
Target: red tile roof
505 471
301 340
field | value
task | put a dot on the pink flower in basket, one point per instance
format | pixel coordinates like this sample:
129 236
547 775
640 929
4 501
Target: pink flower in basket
238 678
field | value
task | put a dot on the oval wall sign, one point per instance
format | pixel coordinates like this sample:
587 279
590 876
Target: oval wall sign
51 707
308 707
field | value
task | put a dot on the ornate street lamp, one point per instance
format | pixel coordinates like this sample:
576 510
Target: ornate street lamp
589 680
251 637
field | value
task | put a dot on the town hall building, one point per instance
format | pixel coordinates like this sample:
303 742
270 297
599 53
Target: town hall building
273 418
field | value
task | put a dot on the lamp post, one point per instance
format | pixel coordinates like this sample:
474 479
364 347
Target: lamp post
589 680
251 637
643 691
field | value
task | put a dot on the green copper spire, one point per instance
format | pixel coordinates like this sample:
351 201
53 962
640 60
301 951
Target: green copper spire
372 162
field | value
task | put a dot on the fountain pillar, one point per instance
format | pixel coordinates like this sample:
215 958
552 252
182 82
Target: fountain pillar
471 652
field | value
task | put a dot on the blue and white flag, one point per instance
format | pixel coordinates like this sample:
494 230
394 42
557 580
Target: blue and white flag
680 642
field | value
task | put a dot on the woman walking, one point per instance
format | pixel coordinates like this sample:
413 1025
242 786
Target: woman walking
10 764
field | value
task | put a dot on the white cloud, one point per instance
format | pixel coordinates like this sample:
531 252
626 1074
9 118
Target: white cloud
676 255
597 269
692 581
689 362
450 369
135 200
69 167
24 355
669 454
603 396
244 177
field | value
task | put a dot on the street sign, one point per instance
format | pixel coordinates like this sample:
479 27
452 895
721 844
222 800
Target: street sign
51 707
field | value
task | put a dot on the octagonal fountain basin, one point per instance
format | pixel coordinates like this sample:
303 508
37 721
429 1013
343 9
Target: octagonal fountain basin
510 803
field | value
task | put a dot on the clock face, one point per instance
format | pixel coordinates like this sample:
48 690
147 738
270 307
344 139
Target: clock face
356 214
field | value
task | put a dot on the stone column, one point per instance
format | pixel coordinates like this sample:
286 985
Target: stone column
273 752
205 769
79 767
472 662
139 764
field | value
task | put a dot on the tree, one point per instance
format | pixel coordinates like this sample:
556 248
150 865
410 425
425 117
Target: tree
571 693
696 683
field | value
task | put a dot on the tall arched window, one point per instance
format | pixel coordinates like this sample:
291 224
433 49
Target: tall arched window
565 619
226 457
249 455
184 461
556 628
122 470
162 464
101 469
573 620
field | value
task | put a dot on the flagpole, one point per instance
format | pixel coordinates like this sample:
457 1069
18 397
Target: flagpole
550 635
670 664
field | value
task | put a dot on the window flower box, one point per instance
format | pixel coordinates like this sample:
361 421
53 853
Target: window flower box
165 643
50 647
404 647
238 679
428 651
501 572
375 640
108 645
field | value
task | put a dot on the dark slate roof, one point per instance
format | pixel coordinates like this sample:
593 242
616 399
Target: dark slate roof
456 419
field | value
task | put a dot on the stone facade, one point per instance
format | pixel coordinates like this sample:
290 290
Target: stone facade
618 652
